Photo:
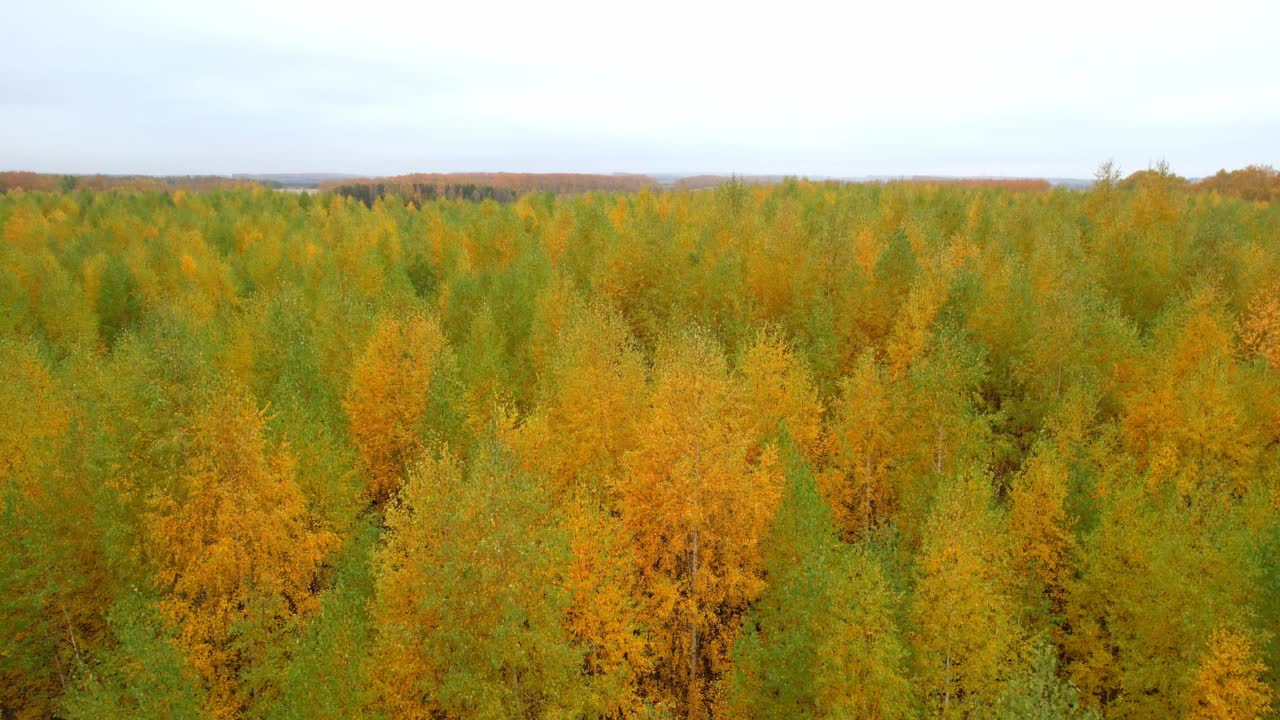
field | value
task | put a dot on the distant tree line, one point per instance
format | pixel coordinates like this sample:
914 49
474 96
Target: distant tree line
52 182
418 193
1258 183
518 183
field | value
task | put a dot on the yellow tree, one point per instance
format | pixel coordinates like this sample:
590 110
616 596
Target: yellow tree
551 311
1259 330
779 395
1041 525
484 372
28 439
593 384
1187 421
603 615
1228 685
942 428
912 328
1156 576
858 484
389 396
234 549
696 507
963 614
593 381
862 670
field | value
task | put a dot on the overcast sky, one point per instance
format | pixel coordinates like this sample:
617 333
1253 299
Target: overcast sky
790 86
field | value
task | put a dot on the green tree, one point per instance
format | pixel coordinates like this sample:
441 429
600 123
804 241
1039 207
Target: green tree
822 641
469 611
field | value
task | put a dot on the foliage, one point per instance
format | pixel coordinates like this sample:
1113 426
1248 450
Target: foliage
773 449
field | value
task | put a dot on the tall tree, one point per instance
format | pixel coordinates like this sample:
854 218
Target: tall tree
697 509
234 550
390 396
469 610
963 615
821 642
326 671
1132 611
593 384
55 583
1042 527
862 434
604 614
1259 329
779 393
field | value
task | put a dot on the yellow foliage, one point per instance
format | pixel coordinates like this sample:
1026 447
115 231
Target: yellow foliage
403 668
468 605
779 395
696 509
1186 420
91 279
858 486
1039 523
603 615
27 437
1228 683
911 330
963 614
594 383
236 546
387 400
1259 330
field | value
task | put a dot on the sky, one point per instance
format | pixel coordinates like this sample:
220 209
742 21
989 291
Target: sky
840 89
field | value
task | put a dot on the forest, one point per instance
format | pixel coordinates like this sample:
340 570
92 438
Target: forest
798 450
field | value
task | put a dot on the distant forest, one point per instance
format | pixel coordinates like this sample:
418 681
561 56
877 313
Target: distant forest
477 187
46 182
1255 183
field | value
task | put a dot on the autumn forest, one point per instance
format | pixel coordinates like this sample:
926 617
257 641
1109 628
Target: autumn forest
791 450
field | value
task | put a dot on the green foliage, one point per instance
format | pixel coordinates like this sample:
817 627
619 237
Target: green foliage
325 671
143 676
777 657
1036 692
821 642
466 585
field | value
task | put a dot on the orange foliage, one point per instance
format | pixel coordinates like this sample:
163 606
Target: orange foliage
1258 183
235 549
1259 330
1228 683
388 397
697 510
